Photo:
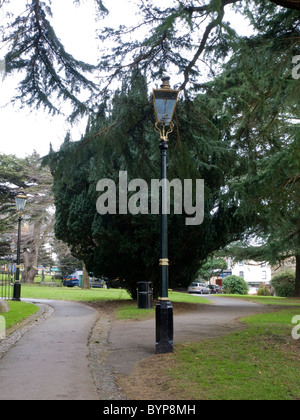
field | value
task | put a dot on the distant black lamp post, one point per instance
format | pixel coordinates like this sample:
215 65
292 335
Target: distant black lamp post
165 100
21 199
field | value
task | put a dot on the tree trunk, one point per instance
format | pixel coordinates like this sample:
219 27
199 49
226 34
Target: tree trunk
29 275
30 264
85 278
297 285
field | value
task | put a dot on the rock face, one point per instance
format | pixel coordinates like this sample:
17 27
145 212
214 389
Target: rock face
3 306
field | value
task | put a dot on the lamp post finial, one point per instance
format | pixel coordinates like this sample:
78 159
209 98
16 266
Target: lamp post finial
166 82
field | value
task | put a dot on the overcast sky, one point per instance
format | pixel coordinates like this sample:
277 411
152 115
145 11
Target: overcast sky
23 131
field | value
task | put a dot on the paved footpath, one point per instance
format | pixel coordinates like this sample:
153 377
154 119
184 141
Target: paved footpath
50 361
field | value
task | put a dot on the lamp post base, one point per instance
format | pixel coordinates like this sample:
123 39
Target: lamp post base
17 292
164 327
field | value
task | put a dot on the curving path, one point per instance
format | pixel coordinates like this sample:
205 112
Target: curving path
50 361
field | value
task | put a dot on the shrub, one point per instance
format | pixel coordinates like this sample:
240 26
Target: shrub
235 285
264 290
284 283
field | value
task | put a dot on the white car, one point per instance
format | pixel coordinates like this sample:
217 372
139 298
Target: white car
200 288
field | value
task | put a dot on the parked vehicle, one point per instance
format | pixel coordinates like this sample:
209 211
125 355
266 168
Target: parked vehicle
75 279
214 289
71 281
200 288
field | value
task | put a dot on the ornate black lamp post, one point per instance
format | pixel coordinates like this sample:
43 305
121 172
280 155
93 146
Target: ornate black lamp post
165 100
21 199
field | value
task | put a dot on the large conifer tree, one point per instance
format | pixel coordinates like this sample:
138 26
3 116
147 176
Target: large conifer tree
127 246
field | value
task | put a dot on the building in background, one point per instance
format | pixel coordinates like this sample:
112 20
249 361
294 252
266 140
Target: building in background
253 272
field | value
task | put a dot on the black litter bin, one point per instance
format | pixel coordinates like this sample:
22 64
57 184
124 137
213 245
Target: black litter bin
145 295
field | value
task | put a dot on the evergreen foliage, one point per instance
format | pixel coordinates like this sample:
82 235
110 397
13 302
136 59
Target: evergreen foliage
260 98
284 283
178 35
235 285
127 246
212 267
52 75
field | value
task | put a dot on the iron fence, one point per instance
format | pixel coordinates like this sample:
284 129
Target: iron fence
6 288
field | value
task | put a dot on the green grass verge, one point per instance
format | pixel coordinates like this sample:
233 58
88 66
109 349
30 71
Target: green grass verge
185 297
267 300
72 293
130 310
18 312
77 294
47 278
261 362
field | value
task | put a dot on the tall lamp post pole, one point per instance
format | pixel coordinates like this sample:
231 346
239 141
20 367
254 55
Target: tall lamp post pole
21 199
165 100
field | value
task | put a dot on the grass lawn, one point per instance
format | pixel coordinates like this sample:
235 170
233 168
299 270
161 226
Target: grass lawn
185 297
72 293
18 312
131 311
267 300
77 294
261 362
47 278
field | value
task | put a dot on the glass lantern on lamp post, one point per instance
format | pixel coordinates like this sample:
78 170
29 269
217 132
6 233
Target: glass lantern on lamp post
165 101
20 199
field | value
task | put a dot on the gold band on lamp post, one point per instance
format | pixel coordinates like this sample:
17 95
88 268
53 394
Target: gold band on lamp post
164 261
